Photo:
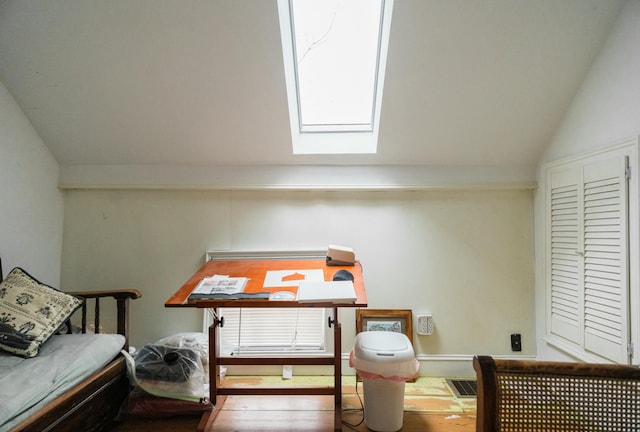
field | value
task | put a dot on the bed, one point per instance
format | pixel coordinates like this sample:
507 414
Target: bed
517 395
37 393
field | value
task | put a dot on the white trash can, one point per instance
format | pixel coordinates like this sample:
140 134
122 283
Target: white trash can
385 360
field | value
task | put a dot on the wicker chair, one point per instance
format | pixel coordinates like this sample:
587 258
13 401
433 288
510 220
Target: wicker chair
543 396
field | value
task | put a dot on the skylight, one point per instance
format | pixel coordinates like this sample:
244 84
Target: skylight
334 58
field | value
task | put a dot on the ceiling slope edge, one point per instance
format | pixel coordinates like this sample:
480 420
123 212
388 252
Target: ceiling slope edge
296 177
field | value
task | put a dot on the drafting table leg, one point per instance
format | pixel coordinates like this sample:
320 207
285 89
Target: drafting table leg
214 371
214 353
337 371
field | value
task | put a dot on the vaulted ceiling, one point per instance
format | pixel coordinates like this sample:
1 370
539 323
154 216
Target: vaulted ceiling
201 82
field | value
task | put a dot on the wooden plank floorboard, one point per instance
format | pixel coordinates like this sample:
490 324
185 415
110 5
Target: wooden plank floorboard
249 420
278 403
429 405
173 424
322 421
285 421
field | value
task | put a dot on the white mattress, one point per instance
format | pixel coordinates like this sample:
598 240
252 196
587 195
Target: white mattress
64 360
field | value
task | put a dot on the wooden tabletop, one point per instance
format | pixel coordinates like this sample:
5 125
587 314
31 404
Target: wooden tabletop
256 270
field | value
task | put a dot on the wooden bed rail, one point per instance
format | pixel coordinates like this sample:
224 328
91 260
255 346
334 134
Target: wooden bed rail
122 298
516 395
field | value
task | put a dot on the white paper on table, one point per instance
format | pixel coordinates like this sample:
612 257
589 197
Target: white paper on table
279 278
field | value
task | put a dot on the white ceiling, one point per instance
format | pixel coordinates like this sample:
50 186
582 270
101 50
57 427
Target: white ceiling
201 82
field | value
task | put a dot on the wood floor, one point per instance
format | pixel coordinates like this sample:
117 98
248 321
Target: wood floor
430 406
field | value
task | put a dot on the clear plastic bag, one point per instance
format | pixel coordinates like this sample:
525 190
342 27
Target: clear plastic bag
198 342
165 363
168 371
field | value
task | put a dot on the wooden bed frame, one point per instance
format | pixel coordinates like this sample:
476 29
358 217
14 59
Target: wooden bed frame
93 404
515 395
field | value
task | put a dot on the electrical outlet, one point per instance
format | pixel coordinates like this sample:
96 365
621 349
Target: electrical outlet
516 342
287 372
425 324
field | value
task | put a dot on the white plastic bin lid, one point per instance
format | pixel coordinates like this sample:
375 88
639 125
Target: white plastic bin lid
382 346
383 354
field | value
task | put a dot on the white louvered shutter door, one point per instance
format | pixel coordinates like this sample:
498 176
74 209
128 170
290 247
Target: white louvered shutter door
565 272
606 259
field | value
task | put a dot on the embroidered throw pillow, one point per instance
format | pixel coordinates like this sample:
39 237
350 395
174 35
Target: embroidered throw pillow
30 312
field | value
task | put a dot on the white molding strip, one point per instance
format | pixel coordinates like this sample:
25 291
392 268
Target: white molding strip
296 177
249 255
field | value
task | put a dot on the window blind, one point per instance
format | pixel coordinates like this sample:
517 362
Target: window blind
249 330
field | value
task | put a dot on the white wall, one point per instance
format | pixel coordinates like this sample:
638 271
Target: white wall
605 112
32 206
464 256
